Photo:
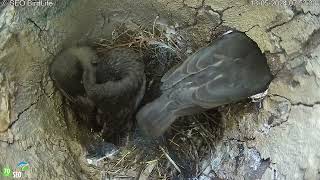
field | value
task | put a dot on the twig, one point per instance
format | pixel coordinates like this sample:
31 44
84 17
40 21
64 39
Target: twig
171 161
122 159
174 142
154 25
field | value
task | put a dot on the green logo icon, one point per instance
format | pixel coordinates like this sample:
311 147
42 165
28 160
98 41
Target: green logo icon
24 166
6 172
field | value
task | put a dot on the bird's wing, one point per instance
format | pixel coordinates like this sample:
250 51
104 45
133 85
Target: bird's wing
196 63
227 47
234 82
230 69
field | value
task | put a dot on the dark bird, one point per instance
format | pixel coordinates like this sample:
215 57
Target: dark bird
230 69
112 84
66 71
116 84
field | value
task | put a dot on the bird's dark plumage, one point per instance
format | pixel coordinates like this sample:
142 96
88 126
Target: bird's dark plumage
113 83
116 84
66 71
230 69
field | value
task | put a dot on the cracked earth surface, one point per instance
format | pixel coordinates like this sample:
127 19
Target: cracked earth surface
278 141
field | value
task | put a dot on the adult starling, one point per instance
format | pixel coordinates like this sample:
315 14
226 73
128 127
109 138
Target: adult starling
107 90
116 84
66 72
113 84
230 69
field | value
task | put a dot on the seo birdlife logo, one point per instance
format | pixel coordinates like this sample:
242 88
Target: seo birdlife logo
20 169
23 166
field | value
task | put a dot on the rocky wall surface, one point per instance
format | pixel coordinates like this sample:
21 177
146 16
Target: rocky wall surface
279 141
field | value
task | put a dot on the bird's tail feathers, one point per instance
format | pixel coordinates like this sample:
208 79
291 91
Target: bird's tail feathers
154 118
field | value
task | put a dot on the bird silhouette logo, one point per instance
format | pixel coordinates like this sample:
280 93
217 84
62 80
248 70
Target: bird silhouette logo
23 166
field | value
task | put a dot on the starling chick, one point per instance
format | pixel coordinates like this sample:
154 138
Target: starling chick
116 84
230 69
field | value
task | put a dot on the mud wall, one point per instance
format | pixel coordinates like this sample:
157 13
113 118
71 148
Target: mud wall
279 142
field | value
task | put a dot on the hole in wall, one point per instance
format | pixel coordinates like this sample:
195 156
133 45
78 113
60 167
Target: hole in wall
189 140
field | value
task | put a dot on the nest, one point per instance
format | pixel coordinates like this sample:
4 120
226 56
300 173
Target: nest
190 139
